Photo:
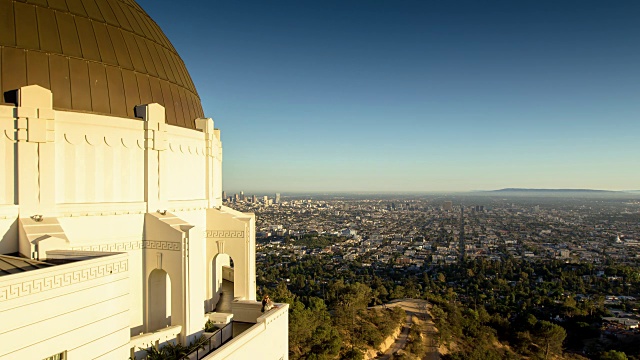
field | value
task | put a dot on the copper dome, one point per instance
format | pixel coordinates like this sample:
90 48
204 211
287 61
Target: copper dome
99 56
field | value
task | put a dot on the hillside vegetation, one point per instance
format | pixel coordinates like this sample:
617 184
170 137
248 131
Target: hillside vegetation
342 327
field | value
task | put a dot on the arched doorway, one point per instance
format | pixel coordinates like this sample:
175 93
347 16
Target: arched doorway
222 283
159 300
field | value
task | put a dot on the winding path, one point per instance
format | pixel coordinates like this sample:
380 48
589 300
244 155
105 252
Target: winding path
401 341
420 309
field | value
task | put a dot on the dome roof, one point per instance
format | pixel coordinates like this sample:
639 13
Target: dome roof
99 56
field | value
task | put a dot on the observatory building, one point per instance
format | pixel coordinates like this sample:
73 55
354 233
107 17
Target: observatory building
113 237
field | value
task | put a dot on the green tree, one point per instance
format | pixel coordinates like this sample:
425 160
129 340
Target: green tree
398 292
613 355
549 338
282 294
311 332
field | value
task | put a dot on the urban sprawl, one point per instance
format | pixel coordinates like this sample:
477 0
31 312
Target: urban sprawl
420 231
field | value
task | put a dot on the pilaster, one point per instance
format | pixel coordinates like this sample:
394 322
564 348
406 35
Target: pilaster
213 154
155 142
35 136
217 168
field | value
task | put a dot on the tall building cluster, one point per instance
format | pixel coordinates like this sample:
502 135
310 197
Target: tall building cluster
264 200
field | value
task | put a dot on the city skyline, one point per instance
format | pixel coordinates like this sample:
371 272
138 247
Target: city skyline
416 96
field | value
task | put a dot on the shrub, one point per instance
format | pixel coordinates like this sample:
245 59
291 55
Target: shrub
210 326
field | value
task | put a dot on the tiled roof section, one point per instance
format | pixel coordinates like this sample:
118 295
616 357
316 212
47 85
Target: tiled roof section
100 56
14 265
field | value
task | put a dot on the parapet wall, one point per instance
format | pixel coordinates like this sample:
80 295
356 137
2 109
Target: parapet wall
72 164
86 302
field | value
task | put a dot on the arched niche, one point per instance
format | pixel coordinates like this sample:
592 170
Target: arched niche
159 299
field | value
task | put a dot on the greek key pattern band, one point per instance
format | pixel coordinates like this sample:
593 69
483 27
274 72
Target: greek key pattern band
131 245
224 234
51 282
161 245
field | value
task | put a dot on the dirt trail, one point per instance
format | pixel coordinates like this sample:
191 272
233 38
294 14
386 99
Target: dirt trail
419 309
401 341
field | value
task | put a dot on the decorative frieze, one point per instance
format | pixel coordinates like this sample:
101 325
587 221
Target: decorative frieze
161 245
92 138
131 246
50 282
224 234
111 247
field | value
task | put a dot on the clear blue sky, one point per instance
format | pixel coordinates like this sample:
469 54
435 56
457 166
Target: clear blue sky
416 95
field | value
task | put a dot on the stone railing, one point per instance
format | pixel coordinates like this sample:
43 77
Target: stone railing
210 342
247 311
268 337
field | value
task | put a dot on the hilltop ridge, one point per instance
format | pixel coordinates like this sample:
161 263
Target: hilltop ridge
526 190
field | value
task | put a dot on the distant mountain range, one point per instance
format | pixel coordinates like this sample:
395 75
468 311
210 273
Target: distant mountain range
564 192
578 191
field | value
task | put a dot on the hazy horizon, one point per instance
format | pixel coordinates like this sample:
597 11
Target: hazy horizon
416 95
497 192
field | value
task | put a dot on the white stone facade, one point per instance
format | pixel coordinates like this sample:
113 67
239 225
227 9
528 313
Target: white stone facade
138 204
